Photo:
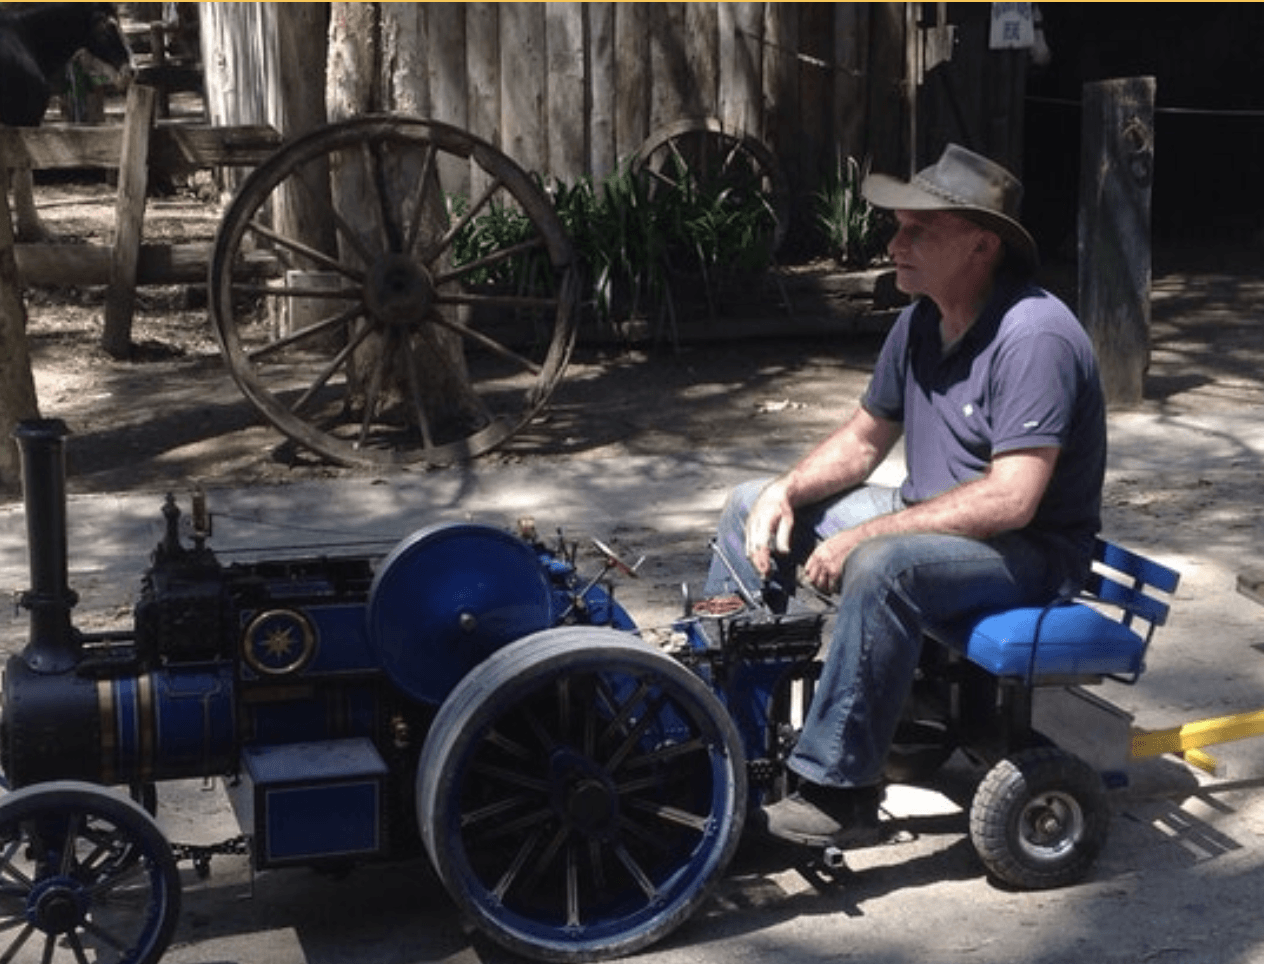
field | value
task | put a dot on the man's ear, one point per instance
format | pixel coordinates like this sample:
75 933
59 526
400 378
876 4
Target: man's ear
989 244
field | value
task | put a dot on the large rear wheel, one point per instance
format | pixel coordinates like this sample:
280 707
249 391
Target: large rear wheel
579 793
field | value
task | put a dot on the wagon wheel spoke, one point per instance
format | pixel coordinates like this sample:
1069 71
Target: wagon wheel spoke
419 197
318 329
462 223
418 403
526 364
374 162
337 363
306 251
489 262
702 156
473 284
320 201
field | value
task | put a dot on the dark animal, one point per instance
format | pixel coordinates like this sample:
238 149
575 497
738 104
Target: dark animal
36 44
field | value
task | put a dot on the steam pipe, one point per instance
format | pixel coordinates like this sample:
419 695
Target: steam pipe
54 645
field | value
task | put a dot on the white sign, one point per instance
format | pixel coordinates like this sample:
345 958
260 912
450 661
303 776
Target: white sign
1012 26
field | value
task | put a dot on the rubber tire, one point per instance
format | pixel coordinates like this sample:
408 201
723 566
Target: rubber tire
141 840
516 686
1042 782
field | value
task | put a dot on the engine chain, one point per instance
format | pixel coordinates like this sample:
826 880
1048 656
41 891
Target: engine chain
201 854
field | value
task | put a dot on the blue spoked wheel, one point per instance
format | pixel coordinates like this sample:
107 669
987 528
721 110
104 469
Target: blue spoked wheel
85 875
579 794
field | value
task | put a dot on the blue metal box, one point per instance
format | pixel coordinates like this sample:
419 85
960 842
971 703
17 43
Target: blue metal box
308 802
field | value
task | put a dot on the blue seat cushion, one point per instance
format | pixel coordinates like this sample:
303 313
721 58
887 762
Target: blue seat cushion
1075 640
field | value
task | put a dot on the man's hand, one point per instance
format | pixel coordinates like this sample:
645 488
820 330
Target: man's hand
768 526
824 568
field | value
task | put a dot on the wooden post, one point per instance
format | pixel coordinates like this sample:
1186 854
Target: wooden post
120 299
1116 171
17 383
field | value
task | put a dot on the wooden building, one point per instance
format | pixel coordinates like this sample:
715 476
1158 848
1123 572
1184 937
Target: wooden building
571 89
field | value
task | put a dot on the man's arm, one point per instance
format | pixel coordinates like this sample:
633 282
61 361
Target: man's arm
844 459
1004 499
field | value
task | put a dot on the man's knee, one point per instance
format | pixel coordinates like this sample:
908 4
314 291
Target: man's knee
875 563
743 497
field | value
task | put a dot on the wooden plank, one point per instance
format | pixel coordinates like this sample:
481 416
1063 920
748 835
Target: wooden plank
407 66
120 299
701 43
565 119
632 80
741 63
816 146
850 67
888 107
56 146
52 265
445 63
482 88
446 77
189 147
1116 171
522 84
173 147
780 74
672 96
602 83
482 57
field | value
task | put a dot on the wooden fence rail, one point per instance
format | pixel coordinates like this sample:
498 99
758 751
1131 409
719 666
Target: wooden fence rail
136 148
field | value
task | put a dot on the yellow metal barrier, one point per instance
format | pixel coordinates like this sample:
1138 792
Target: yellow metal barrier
1189 738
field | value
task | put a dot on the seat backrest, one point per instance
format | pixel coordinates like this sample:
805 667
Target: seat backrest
1141 588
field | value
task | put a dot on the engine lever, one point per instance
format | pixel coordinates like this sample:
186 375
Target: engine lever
754 600
614 562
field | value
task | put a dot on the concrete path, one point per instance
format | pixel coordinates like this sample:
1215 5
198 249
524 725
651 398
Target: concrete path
1181 879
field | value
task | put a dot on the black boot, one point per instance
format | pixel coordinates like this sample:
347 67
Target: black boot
820 816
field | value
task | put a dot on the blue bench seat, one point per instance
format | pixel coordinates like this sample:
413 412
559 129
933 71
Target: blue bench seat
1103 631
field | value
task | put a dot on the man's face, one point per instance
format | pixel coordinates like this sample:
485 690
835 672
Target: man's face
931 250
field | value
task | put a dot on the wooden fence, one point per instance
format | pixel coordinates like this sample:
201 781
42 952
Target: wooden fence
134 148
570 90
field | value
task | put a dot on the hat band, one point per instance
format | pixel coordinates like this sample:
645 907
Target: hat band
930 187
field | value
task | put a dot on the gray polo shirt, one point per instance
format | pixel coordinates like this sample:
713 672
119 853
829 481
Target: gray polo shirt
1023 376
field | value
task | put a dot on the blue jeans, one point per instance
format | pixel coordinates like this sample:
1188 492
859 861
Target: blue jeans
892 586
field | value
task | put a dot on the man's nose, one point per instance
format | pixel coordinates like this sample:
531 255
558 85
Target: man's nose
896 243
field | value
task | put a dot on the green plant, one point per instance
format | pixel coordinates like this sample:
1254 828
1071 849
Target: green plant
853 227
630 235
499 227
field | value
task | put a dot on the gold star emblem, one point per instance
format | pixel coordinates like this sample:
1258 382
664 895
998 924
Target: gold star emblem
279 641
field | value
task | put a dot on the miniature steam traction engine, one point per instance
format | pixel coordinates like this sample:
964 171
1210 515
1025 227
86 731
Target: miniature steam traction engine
472 697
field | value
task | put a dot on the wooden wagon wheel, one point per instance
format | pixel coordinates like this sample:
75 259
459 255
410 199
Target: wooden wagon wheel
431 324
703 153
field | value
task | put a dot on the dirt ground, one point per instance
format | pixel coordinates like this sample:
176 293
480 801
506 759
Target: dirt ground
171 413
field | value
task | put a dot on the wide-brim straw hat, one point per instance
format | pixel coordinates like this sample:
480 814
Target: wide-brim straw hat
965 183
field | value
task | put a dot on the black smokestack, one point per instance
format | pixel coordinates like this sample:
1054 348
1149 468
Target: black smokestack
54 644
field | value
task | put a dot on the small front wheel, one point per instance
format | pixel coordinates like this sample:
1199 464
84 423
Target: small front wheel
86 876
1039 819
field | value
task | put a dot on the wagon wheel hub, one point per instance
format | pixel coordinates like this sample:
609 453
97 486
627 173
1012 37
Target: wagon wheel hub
585 797
399 291
56 908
